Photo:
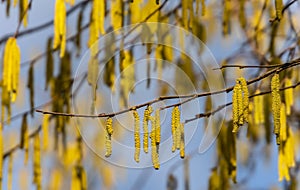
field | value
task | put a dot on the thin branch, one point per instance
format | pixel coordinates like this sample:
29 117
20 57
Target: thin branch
248 66
208 114
190 97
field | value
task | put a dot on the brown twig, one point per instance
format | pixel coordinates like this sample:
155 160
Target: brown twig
208 114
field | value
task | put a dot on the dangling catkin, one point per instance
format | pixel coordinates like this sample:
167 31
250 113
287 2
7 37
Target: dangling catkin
1 153
154 150
244 87
137 140
11 68
276 102
237 107
60 28
109 132
283 127
288 96
258 109
146 118
175 128
37 170
157 126
45 130
182 145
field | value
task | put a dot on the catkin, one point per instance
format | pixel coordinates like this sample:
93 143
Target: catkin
235 111
137 140
147 113
276 102
154 149
175 123
283 127
11 68
109 132
157 126
288 96
45 130
37 170
182 145
278 8
245 95
60 28
258 109
1 153
237 107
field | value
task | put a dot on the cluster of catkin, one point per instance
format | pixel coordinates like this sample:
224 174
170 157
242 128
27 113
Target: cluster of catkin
240 104
280 109
154 134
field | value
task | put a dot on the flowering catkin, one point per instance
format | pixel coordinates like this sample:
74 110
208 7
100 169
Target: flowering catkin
154 149
137 140
175 126
237 107
288 96
37 170
276 102
182 148
146 118
245 95
258 109
157 126
60 28
109 132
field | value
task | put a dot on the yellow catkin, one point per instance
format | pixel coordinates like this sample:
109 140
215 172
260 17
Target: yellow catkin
237 107
177 128
175 123
235 112
45 130
26 9
116 14
146 118
289 149
60 28
56 179
37 170
288 96
258 109
283 170
244 87
26 146
75 183
182 145
137 140
154 150
11 68
276 102
135 11
97 23
283 127
10 170
109 132
278 8
1 153
157 126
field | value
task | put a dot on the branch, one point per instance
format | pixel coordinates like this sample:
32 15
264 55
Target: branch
190 97
208 114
